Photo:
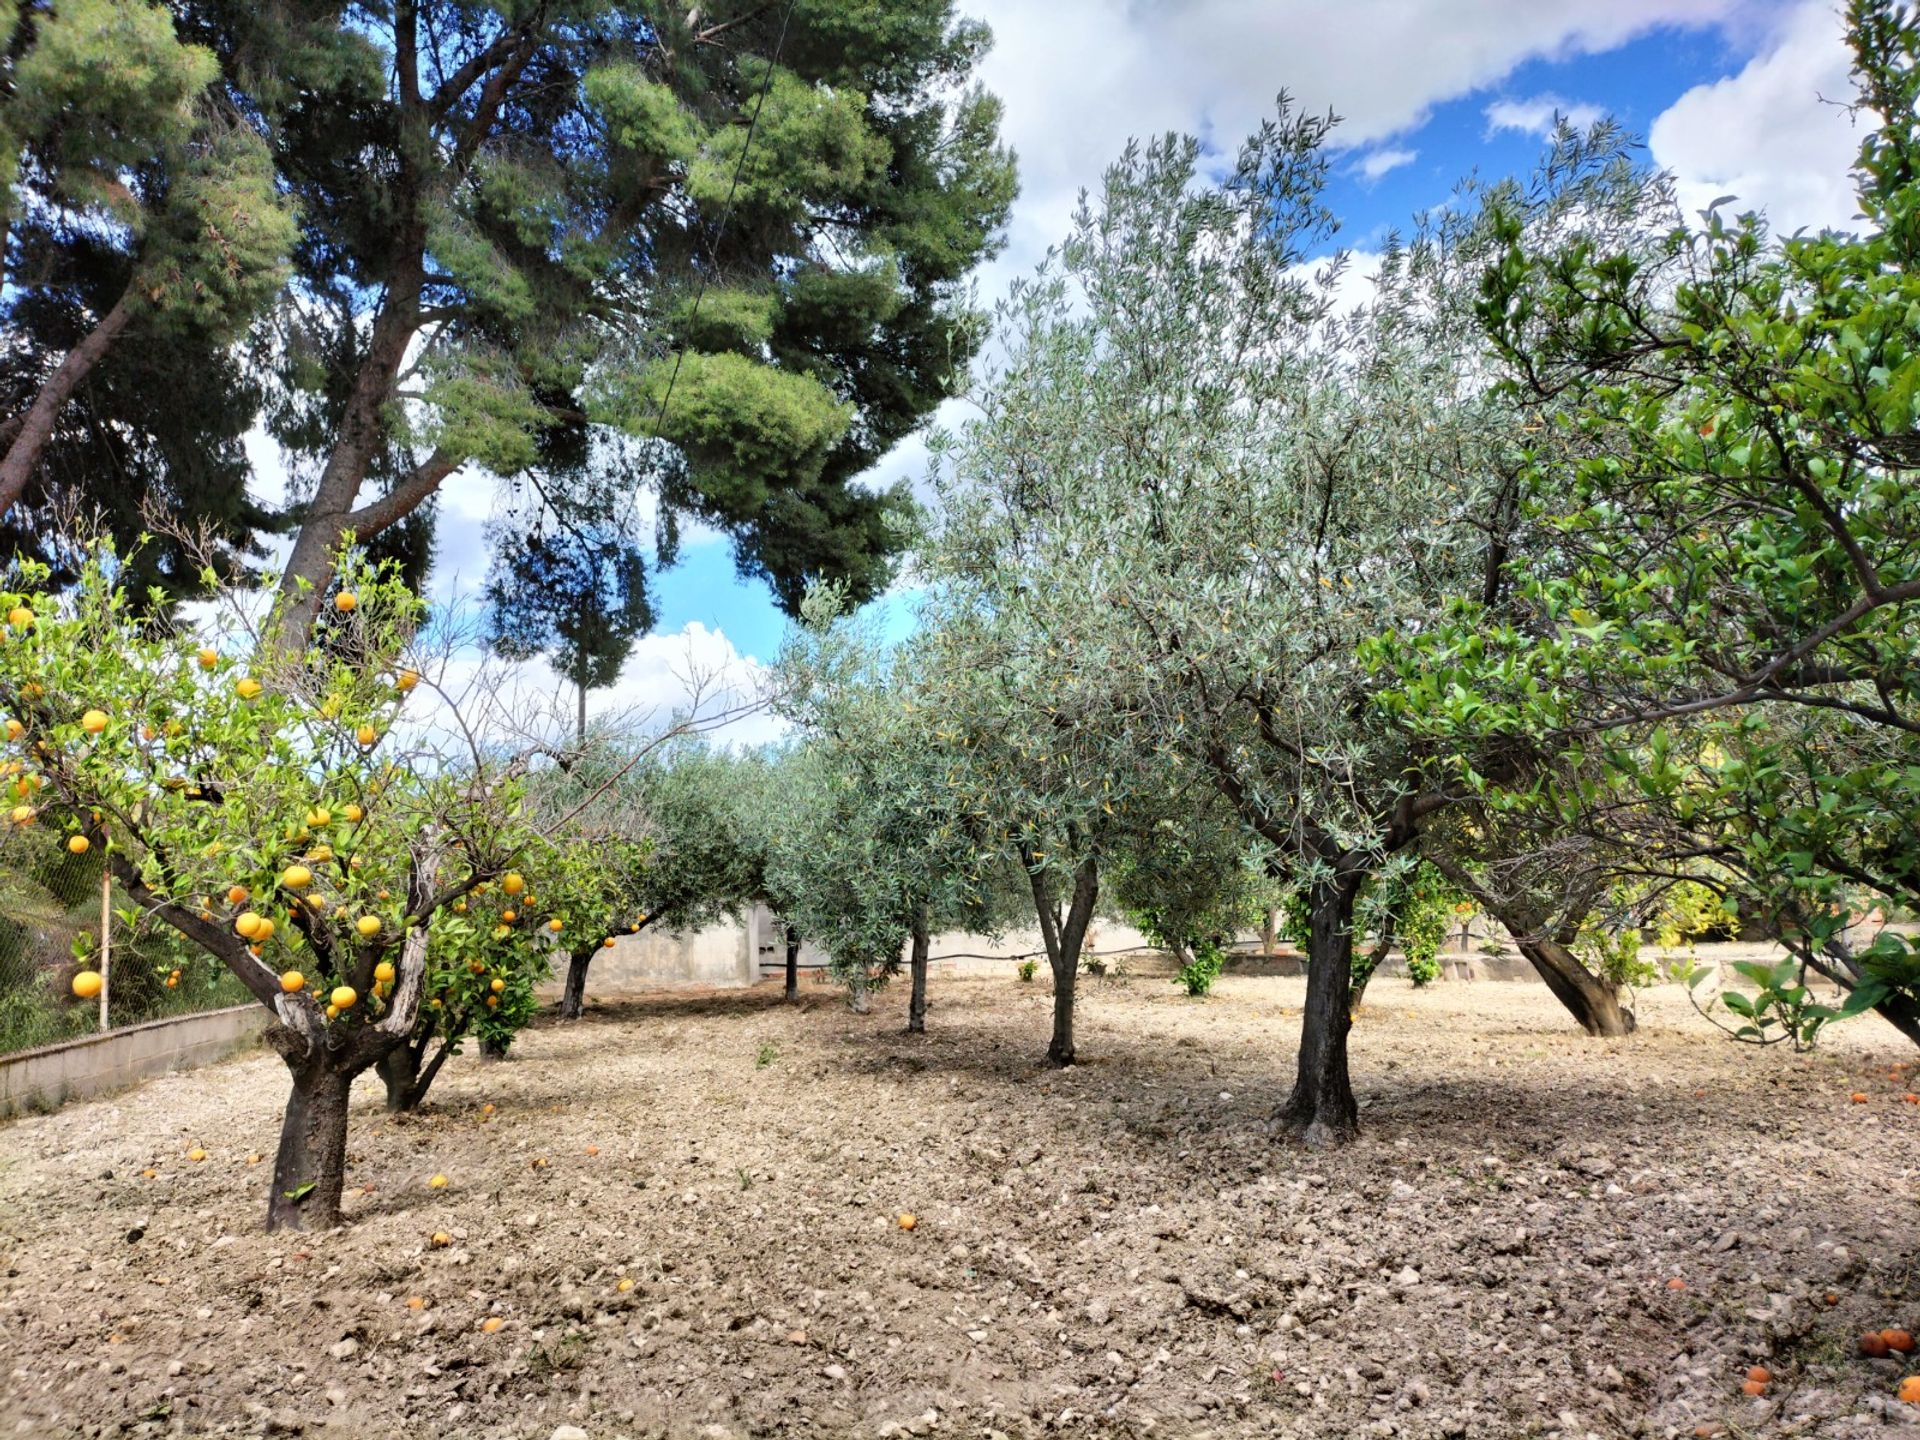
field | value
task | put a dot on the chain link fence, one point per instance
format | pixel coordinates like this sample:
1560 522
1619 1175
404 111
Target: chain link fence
50 917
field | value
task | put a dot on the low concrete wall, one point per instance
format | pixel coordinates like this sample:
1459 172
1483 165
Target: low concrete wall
74 1069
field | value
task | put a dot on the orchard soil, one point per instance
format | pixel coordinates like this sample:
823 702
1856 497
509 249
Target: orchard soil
1123 1248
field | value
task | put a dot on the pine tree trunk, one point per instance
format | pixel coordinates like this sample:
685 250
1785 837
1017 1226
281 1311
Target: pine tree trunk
793 963
310 1168
37 426
1592 1001
1321 1110
922 943
574 995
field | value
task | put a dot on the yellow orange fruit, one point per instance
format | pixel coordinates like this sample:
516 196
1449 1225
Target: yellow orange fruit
513 882
293 982
368 926
492 1324
236 894
507 917
441 1238
383 972
196 1154
352 814
343 997
346 602
296 877
15 729
907 1222
79 844
265 932
497 986
94 721
608 942
248 688
208 657
87 983
333 1012
248 924
1859 1097
438 1182
624 1286
416 1302
21 814
19 617
493 1002
554 925
365 735
1909 1390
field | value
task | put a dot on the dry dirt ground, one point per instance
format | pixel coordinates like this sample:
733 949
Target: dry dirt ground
1120 1249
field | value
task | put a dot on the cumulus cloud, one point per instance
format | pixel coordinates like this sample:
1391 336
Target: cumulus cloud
1379 162
1772 134
1079 77
1538 114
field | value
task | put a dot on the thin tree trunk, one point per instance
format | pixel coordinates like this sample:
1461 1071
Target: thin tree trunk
22 457
1321 1110
1388 925
793 963
1270 931
574 995
922 943
859 992
1064 937
310 1168
581 690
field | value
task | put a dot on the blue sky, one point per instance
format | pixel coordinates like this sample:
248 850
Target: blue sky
1728 93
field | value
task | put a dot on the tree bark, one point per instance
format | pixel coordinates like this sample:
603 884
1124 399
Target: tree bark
1064 936
400 1069
859 992
793 963
1591 1000
574 995
37 425
310 1168
1321 1110
922 943
1269 931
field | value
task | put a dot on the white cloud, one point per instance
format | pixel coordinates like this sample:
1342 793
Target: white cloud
1538 114
1079 77
1380 162
1770 135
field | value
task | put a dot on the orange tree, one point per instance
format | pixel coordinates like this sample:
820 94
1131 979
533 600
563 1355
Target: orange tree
281 814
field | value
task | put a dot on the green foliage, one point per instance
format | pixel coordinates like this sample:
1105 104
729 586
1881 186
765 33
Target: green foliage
1027 970
1782 1008
1196 977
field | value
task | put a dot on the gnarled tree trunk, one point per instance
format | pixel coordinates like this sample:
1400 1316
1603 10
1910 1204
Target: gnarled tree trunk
1321 1110
310 1167
1591 1000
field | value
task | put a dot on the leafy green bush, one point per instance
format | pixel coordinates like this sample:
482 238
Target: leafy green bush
1027 969
1196 977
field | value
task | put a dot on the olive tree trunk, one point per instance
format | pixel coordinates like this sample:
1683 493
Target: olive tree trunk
922 943
1064 936
793 963
1321 1110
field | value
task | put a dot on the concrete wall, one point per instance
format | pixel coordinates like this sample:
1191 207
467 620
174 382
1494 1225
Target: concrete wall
723 954
41 1079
